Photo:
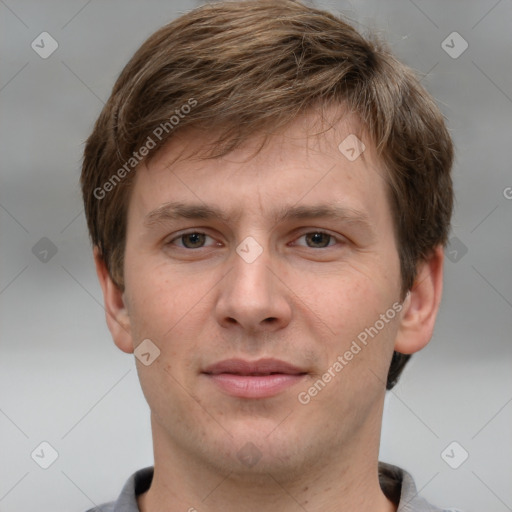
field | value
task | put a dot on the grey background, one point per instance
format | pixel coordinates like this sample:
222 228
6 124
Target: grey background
61 378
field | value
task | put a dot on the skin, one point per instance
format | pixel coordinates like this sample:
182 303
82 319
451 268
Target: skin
303 300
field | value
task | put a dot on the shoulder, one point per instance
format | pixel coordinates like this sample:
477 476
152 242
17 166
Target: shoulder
106 507
398 485
137 484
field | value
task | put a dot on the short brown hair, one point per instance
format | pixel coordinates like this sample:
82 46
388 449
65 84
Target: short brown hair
248 65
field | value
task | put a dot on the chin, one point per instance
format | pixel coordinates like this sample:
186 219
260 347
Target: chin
254 452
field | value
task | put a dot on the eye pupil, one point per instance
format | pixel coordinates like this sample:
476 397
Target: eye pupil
193 240
319 239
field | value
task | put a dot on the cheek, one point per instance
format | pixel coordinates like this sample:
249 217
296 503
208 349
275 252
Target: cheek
347 300
171 313
357 351
156 300
359 322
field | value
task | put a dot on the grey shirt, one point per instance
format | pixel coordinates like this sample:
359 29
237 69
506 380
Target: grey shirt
396 484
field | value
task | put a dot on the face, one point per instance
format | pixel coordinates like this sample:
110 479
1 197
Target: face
270 284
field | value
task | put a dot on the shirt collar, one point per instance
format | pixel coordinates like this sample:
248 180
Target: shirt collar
395 482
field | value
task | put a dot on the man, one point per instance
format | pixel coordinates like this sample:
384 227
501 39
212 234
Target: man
268 195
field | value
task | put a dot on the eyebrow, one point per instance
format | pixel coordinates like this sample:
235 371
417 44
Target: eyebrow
178 210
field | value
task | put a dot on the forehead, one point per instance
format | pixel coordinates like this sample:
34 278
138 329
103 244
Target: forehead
310 160
328 130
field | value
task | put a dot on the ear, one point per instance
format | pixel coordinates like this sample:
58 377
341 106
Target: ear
421 304
118 320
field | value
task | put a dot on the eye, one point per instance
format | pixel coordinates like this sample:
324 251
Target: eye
318 239
193 240
197 240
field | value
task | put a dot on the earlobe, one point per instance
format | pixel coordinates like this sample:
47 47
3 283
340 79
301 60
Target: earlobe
118 320
421 305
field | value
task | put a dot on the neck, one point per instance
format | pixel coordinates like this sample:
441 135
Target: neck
343 479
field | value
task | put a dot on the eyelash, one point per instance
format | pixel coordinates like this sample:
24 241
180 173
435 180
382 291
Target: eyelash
315 232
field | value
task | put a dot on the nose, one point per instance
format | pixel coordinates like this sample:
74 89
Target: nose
253 296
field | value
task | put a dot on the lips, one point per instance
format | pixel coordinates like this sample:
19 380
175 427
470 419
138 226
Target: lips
255 368
253 379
